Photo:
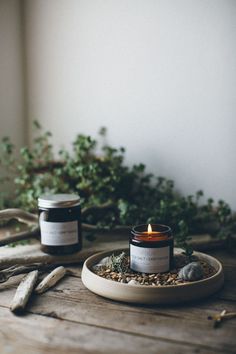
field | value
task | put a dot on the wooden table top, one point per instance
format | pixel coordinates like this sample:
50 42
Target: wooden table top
70 319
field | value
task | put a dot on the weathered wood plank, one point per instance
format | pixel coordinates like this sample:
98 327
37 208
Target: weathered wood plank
39 334
185 324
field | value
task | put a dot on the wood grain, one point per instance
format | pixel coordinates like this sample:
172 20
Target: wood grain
38 334
69 318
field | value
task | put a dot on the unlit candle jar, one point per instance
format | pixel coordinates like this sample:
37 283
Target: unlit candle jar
60 223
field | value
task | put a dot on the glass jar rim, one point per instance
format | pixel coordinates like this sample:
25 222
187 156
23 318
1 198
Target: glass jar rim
138 230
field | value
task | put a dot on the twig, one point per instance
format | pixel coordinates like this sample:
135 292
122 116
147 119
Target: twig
97 208
218 318
23 292
48 167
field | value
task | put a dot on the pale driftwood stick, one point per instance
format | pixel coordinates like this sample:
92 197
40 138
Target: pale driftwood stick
20 215
47 259
50 280
18 260
24 235
32 219
7 273
35 232
23 292
30 234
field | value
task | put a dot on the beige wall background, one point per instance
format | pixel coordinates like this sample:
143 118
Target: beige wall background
12 105
159 74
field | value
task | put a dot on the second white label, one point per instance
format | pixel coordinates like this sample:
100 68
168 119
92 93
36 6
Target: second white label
59 233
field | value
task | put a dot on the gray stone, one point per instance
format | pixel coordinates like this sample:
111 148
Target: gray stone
191 272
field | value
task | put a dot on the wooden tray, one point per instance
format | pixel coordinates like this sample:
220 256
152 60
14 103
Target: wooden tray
145 294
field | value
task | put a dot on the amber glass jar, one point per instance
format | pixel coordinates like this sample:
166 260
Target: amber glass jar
151 252
60 223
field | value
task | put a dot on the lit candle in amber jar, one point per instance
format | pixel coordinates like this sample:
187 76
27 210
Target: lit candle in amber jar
151 248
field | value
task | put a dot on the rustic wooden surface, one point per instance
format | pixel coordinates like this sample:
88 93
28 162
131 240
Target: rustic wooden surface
70 319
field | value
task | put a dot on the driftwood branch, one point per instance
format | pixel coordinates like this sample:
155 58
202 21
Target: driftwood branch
33 255
30 257
32 219
20 215
23 292
24 235
7 273
50 280
35 232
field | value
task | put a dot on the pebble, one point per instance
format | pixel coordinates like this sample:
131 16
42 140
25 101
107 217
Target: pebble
133 282
191 272
103 262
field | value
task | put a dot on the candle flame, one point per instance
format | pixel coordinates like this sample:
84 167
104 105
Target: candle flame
149 229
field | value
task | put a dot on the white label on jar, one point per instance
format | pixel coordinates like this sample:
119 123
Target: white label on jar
59 233
149 260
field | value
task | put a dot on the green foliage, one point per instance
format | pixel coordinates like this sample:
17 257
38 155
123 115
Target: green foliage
183 238
101 177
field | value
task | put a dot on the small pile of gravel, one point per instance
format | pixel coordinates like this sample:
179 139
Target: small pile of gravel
105 270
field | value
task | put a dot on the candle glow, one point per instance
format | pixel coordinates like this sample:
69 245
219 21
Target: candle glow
149 230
